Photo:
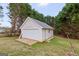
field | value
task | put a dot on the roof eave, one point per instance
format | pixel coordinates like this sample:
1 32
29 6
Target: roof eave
48 28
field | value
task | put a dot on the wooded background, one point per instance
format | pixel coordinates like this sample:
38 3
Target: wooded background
66 23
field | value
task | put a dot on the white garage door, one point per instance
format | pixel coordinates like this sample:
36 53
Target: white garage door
31 34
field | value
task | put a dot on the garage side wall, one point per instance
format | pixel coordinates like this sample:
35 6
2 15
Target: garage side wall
35 34
46 33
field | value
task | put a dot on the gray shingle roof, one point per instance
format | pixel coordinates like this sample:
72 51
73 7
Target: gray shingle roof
42 24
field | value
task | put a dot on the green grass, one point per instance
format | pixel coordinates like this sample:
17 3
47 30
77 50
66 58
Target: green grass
57 46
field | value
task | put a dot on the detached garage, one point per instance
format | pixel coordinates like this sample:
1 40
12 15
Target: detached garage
35 30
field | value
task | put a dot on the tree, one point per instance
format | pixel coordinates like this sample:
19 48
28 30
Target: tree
49 20
18 13
37 15
68 20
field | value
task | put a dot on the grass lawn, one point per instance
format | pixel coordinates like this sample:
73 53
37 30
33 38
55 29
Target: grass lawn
57 46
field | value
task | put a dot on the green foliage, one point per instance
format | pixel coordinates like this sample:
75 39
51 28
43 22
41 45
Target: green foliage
19 12
37 15
49 20
57 46
68 20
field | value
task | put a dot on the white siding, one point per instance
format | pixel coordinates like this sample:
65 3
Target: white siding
30 25
46 33
43 34
32 30
35 34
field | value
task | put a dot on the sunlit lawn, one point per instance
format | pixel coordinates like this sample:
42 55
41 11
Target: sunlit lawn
57 46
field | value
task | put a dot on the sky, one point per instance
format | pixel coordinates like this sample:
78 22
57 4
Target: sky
51 9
